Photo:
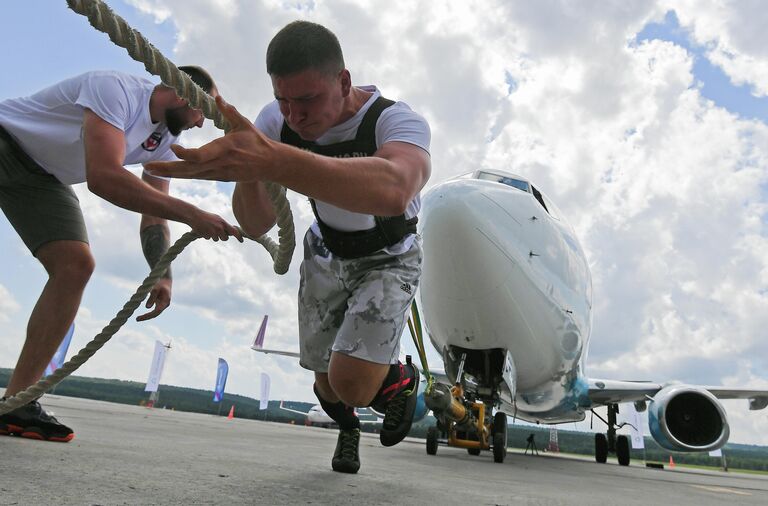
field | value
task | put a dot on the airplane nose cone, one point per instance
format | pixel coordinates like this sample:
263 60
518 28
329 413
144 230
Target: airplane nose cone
461 224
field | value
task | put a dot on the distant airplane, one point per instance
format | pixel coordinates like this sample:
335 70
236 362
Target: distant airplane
506 295
315 416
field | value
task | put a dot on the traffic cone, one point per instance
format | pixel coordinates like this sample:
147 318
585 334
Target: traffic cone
671 462
231 414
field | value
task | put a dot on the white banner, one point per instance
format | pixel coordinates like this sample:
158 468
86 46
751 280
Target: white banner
638 442
716 453
158 362
264 400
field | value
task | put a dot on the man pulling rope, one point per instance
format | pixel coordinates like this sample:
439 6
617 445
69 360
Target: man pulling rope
85 129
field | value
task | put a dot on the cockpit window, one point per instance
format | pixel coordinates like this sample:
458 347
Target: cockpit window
509 181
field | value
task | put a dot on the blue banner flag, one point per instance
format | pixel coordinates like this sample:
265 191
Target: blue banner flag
58 357
221 380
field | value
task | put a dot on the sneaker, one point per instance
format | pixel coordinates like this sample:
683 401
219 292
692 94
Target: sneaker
33 422
398 412
346 458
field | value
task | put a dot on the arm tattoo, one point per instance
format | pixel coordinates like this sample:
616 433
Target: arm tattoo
154 243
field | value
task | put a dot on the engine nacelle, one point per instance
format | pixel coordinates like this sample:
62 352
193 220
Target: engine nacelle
686 418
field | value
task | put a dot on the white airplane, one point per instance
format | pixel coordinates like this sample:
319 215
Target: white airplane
506 298
315 416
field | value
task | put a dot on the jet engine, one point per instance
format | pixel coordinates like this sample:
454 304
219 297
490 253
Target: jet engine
686 418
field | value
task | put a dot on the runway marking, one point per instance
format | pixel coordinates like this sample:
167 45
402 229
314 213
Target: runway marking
722 490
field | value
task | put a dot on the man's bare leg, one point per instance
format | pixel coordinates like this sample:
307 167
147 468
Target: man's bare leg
69 265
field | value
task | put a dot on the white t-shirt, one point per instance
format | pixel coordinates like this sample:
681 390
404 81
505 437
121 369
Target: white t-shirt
49 124
396 123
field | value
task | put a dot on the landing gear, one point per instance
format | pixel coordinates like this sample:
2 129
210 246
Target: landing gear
432 434
499 430
610 443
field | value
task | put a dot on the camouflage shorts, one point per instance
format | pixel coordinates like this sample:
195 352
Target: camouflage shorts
357 307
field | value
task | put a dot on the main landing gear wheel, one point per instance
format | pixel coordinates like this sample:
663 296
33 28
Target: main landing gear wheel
601 448
622 450
473 451
499 430
432 434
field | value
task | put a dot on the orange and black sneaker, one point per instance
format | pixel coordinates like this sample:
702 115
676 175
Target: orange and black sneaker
33 422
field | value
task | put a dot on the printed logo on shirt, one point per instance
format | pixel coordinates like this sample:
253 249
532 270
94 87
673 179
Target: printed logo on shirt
152 142
406 287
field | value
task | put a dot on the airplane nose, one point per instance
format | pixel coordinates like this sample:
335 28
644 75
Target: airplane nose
462 224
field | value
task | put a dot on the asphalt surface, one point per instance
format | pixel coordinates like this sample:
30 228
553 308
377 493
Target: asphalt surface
133 455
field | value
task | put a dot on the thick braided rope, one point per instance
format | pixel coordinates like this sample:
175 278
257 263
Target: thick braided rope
105 335
103 19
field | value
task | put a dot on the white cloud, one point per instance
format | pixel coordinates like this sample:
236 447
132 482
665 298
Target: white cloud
8 305
734 35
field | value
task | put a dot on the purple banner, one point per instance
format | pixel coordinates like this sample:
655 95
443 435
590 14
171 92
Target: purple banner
259 341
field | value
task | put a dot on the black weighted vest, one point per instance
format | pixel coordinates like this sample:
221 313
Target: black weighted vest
389 230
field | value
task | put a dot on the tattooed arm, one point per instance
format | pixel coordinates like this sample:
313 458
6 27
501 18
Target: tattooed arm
155 240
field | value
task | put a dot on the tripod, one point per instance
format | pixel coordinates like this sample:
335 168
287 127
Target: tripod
531 445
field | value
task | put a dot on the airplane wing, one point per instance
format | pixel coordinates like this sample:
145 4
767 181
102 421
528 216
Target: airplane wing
294 354
615 392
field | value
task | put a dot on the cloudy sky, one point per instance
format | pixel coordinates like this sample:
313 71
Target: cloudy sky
645 121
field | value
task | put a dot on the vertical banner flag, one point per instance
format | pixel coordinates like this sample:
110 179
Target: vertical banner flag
259 341
638 442
221 380
58 357
156 369
265 382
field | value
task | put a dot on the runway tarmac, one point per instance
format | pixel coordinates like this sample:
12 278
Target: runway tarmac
133 455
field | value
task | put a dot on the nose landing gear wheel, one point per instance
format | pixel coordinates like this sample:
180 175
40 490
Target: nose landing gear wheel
499 430
432 434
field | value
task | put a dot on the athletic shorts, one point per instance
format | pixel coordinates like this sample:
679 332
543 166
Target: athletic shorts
357 307
39 207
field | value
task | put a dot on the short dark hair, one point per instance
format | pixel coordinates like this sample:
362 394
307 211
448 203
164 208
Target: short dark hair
200 77
303 45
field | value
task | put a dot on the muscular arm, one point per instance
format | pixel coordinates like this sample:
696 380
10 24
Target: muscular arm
382 184
106 177
154 232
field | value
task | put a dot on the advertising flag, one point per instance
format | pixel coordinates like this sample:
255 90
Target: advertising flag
221 380
156 369
58 357
259 341
265 383
638 442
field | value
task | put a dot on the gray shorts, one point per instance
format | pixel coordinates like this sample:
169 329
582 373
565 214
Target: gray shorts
357 307
39 207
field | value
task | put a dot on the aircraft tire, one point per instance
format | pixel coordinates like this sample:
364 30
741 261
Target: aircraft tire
601 448
622 450
473 451
432 433
499 431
